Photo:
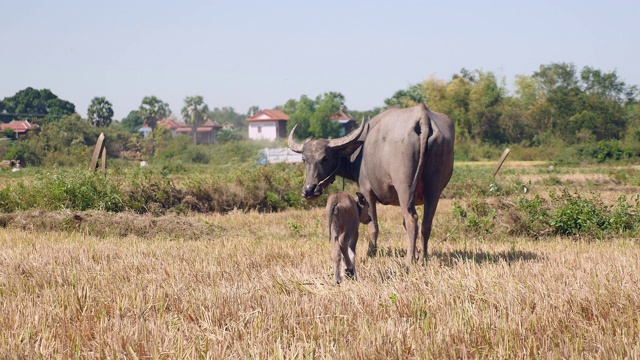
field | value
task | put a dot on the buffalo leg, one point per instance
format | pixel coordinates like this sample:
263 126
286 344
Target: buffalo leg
373 228
427 221
411 224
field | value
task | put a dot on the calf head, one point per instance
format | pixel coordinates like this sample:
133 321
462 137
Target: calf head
322 159
363 209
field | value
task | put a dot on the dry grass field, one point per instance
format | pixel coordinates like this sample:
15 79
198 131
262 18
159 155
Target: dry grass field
260 286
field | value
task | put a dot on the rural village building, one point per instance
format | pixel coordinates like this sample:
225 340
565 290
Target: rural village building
19 127
205 133
272 124
268 125
347 121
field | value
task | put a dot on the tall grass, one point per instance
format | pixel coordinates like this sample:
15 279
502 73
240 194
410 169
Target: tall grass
259 285
247 187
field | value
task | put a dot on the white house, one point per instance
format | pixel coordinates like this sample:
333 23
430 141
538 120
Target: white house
268 125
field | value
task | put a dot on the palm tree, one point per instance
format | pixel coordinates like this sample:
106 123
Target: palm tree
151 111
195 112
100 112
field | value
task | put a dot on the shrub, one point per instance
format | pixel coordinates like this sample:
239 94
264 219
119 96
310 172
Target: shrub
145 190
563 214
479 218
76 190
575 214
532 217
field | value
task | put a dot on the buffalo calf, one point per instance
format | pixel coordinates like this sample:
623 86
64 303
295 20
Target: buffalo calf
343 215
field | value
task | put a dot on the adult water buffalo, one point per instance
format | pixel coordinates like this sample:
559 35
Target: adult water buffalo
400 157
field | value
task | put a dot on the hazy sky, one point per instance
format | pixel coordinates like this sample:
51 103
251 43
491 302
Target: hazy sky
243 53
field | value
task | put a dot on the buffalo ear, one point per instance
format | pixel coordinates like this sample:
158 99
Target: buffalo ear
350 149
361 199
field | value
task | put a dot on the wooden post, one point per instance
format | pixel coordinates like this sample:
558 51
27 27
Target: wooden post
96 154
502 159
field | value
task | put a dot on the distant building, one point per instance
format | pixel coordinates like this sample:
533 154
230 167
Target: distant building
19 127
270 156
272 124
347 121
268 125
205 133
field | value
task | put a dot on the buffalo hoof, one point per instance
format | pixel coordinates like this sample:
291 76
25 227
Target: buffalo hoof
350 273
372 252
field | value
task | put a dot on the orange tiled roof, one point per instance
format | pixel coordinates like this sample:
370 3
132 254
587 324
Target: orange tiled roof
169 124
268 115
208 126
19 126
340 115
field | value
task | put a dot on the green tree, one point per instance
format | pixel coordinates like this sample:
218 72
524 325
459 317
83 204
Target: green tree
32 104
195 113
607 86
252 110
228 115
132 122
366 114
8 134
485 108
313 117
603 101
153 110
413 95
226 135
559 83
100 112
591 105
299 114
320 124
289 107
525 115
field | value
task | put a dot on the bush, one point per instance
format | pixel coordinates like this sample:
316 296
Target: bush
226 135
182 149
249 187
532 216
479 218
565 214
575 214
20 150
76 190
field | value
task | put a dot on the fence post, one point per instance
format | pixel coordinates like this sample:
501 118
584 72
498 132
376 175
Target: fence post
502 159
96 154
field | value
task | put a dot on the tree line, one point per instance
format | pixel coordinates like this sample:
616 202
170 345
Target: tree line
558 101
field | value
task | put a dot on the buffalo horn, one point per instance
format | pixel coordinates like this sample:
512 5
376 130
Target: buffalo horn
293 145
346 140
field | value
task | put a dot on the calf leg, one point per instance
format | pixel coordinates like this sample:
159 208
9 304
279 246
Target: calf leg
336 256
349 264
350 258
